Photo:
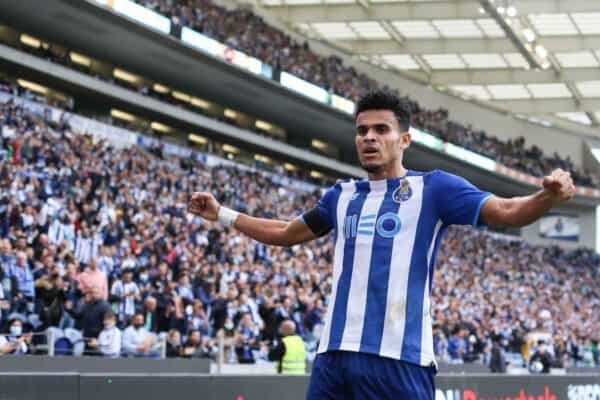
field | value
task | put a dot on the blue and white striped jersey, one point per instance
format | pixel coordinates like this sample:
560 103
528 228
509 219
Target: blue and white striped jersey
387 234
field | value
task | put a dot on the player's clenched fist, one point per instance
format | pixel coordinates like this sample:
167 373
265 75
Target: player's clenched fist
559 185
205 205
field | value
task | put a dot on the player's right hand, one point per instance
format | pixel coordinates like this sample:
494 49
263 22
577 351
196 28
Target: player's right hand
205 205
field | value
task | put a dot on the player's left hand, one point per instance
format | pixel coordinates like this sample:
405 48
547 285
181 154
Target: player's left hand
559 185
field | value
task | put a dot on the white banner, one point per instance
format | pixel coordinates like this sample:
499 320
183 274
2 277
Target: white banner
558 226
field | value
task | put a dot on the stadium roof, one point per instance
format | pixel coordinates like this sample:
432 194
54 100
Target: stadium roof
539 59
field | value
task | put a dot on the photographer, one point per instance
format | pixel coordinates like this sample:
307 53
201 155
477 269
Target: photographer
247 336
541 360
52 294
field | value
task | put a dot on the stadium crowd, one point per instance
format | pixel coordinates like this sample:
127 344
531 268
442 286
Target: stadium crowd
98 238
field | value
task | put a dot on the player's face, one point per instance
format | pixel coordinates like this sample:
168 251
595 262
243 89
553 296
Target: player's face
379 140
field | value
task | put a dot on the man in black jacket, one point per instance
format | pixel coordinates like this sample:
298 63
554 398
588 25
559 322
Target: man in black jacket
90 313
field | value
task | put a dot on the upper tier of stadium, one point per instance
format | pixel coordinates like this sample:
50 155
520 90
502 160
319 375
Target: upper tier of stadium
279 52
245 31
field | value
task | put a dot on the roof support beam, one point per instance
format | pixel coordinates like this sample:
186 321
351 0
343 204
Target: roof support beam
510 76
417 10
512 34
548 106
354 12
453 46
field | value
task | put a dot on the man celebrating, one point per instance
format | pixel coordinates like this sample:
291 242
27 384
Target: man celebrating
377 342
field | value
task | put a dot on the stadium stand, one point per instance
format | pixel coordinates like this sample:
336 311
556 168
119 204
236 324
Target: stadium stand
86 227
279 50
243 30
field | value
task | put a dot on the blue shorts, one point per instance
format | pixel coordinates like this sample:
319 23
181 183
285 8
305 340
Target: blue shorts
360 376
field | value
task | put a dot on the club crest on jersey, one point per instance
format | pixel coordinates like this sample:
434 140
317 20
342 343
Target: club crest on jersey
402 192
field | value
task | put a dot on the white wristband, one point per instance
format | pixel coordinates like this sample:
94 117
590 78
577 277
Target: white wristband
227 216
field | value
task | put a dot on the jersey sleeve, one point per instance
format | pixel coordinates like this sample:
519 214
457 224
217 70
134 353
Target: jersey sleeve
320 219
457 200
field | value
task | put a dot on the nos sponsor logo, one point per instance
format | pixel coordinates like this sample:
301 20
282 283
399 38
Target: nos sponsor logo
387 225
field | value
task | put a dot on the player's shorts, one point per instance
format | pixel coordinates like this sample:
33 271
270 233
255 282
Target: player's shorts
360 376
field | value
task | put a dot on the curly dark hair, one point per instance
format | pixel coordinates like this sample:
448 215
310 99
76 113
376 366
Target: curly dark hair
385 100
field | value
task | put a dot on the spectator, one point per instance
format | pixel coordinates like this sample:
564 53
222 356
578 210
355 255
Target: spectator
124 294
15 341
185 288
174 316
52 293
587 352
151 314
62 230
109 340
137 340
90 313
86 246
92 276
440 343
197 346
246 340
174 348
197 320
561 355
23 276
457 345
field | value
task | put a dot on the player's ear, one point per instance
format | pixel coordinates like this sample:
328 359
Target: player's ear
405 140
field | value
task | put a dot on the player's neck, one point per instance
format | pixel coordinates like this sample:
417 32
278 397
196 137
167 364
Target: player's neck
393 171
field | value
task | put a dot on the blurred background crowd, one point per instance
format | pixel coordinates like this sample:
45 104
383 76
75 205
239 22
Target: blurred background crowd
97 240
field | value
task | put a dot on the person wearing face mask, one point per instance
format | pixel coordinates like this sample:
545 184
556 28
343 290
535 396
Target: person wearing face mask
14 341
143 282
229 336
109 340
137 340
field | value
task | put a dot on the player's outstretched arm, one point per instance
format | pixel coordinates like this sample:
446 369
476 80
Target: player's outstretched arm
269 231
558 188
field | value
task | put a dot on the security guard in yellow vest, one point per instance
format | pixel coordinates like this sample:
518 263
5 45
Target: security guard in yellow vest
290 352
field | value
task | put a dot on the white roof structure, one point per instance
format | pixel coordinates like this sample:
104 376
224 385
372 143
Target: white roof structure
539 58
